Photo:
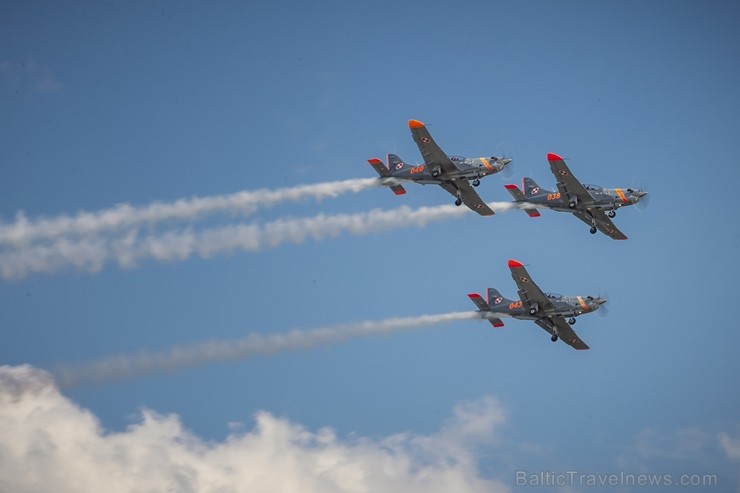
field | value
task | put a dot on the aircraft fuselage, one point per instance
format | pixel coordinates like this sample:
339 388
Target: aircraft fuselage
607 199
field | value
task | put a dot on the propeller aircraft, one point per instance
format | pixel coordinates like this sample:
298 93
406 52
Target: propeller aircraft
555 313
453 173
592 204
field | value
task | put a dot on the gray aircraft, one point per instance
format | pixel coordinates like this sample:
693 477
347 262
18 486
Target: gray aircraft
453 173
549 311
592 204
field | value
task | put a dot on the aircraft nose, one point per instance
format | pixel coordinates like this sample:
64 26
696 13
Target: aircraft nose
505 161
636 196
600 301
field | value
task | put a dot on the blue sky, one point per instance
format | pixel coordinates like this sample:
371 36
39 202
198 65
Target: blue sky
109 104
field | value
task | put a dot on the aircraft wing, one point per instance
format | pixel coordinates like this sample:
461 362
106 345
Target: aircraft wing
565 332
568 185
529 292
429 149
603 223
469 196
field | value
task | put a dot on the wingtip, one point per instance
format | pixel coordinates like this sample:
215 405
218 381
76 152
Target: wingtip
399 192
513 264
551 156
415 124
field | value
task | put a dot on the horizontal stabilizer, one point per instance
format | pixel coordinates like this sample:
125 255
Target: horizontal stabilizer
383 171
479 301
519 197
484 307
379 167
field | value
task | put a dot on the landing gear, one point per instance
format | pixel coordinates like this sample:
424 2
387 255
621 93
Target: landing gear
476 182
572 320
593 230
572 204
554 338
533 311
435 173
458 202
611 214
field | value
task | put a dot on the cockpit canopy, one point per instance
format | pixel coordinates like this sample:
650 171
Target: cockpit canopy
456 159
593 188
554 296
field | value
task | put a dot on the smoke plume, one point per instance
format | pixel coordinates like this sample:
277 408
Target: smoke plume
125 216
91 253
179 357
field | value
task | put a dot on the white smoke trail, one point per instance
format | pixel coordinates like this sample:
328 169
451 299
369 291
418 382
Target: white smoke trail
179 357
92 253
123 216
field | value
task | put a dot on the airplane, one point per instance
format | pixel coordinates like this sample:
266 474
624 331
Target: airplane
453 173
587 202
549 311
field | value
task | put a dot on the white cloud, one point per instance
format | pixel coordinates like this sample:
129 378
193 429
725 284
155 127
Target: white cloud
48 443
681 444
695 450
730 445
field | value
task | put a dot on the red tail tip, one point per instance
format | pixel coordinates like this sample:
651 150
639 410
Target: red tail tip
513 264
510 186
551 156
474 295
415 124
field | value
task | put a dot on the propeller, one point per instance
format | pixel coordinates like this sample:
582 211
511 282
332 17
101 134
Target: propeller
508 170
644 201
503 151
603 310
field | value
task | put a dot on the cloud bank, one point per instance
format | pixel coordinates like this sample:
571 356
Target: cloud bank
48 443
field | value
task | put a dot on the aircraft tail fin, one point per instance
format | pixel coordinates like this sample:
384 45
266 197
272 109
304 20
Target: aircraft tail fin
396 164
532 189
485 308
519 197
385 176
496 299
